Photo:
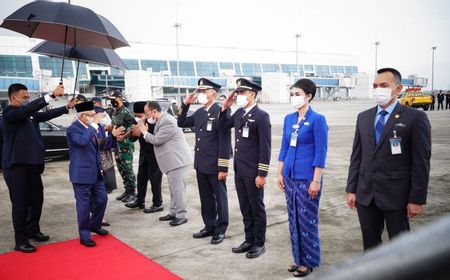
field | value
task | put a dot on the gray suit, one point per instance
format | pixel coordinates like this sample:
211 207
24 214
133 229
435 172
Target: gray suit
173 157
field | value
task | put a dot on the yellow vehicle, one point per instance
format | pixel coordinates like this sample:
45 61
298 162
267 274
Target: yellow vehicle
413 97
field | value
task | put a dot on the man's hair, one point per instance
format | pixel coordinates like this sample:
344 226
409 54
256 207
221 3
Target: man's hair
397 75
15 88
153 105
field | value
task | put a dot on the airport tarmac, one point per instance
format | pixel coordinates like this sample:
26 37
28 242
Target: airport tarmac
174 247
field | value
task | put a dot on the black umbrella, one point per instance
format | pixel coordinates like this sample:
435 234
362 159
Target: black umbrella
89 55
66 24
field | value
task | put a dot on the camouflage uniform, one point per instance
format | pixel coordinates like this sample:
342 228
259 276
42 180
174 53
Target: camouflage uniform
124 151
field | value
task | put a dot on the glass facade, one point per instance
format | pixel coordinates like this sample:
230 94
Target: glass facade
291 69
82 71
308 68
186 68
132 64
156 65
54 64
251 69
16 66
237 68
226 65
349 70
271 67
322 70
207 69
336 69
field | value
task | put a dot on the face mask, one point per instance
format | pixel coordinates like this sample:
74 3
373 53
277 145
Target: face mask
103 122
242 100
382 95
90 120
137 119
114 103
24 102
151 120
298 101
202 99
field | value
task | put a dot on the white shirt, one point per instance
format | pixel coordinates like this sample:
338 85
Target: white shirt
249 108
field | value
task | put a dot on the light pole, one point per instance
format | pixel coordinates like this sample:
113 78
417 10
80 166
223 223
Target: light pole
178 26
297 38
432 68
377 43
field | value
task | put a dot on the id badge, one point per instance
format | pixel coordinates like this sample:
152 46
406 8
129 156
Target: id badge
209 125
294 136
245 132
396 147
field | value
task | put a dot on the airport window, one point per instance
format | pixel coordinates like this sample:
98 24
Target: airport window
309 68
207 69
337 69
251 69
82 71
132 64
186 68
237 68
156 65
117 71
322 70
16 66
271 67
226 65
350 70
291 69
54 64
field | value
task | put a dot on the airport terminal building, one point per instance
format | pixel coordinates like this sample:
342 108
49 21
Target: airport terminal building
152 71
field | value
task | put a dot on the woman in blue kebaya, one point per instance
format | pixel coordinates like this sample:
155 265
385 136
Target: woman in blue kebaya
300 165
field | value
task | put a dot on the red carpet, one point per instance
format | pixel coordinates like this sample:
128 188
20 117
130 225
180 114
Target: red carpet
110 259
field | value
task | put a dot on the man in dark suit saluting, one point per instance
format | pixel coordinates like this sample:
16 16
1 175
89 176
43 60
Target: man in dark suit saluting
23 160
390 162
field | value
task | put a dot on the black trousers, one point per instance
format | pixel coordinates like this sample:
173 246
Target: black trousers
214 202
440 105
27 196
432 106
372 222
149 170
251 202
447 104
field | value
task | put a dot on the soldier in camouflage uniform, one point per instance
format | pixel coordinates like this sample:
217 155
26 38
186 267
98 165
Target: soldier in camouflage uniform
122 120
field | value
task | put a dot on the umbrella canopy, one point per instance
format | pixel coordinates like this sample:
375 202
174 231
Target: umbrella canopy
89 55
65 23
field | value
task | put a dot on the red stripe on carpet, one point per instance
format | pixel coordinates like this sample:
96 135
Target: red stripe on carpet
110 259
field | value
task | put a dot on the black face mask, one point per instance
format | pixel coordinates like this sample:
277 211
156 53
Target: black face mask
114 103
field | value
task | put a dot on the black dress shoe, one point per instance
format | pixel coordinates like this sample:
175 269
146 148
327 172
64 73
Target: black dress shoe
244 247
135 204
154 209
167 217
88 243
25 248
217 238
100 231
255 252
122 196
40 237
178 221
202 234
105 224
129 198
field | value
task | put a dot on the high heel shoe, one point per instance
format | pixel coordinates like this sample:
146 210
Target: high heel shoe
299 273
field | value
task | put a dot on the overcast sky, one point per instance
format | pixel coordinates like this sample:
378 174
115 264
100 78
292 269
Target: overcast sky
407 29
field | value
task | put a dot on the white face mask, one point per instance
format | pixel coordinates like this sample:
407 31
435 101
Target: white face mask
137 119
242 100
202 99
103 122
90 120
151 120
382 95
298 101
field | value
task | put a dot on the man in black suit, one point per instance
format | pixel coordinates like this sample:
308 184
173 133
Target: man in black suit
390 162
148 166
440 99
23 160
212 156
252 130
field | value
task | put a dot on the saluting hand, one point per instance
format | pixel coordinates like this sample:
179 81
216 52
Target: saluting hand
228 102
59 90
191 98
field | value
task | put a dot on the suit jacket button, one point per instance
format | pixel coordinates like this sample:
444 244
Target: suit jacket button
198 149
200 129
198 139
239 130
237 140
236 150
